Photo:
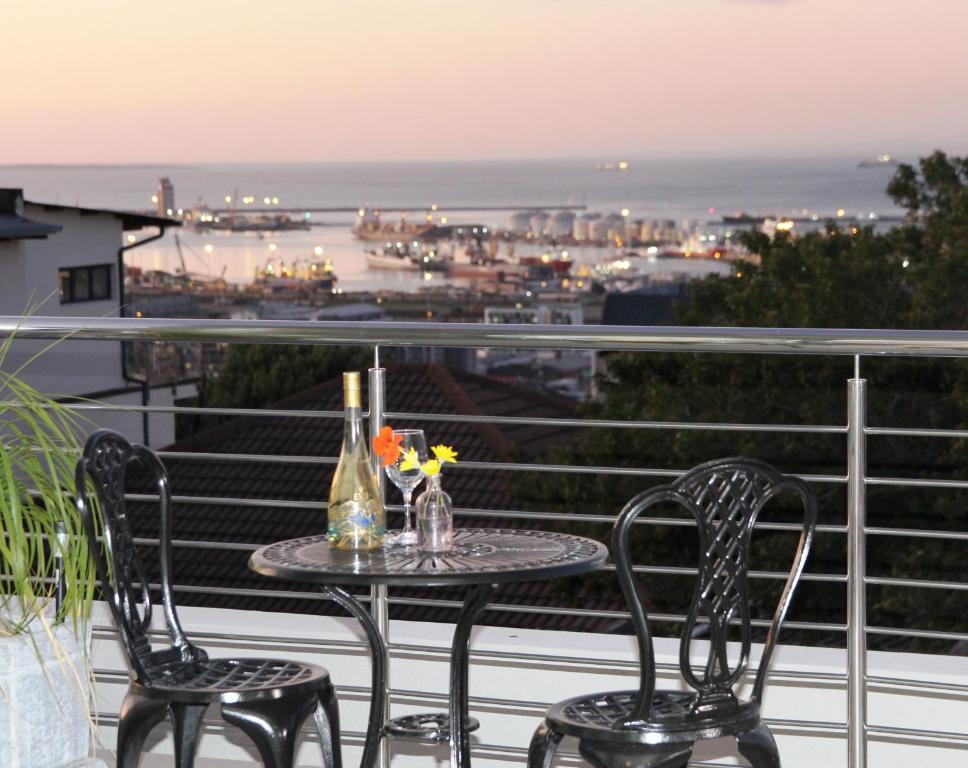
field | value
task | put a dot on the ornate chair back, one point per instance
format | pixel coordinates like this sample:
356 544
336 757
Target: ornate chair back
725 497
103 467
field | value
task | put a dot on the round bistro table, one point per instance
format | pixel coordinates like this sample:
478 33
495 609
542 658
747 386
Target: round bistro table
480 559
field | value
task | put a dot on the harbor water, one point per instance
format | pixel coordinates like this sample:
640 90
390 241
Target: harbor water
679 189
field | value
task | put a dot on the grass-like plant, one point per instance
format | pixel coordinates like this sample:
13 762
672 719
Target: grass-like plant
39 444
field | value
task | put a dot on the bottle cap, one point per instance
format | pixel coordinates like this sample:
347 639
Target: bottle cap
351 389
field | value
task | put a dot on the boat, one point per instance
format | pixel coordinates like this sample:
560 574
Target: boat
405 255
621 165
301 276
476 262
882 161
204 220
368 226
559 261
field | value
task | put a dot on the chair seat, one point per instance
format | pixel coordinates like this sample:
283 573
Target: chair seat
674 717
232 680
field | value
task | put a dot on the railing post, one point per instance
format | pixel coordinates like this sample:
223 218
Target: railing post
856 570
378 593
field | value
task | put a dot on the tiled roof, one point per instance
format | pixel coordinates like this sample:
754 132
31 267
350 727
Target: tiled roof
411 388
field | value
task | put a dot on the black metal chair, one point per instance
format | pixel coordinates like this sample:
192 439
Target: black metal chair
268 699
650 727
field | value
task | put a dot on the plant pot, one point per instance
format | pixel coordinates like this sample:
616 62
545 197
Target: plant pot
45 697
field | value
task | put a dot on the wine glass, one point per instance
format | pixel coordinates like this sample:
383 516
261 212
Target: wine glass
406 481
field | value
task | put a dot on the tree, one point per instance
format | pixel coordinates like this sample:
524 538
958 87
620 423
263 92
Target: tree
255 375
915 276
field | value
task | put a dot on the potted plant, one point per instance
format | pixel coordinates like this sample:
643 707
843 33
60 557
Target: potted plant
45 676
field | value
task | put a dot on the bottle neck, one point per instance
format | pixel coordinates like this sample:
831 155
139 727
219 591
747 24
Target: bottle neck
352 426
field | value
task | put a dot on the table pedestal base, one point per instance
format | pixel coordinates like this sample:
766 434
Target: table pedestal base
428 726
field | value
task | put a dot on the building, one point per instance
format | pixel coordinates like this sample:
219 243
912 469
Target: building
68 261
165 199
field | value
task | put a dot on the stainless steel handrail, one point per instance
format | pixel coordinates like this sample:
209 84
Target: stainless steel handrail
803 341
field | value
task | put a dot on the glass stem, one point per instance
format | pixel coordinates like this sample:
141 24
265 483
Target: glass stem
407 496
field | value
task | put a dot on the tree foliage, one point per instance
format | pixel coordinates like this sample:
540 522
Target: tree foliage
913 276
255 375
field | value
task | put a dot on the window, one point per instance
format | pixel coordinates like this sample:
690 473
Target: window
85 283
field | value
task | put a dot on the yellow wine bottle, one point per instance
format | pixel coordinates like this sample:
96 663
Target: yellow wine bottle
355 518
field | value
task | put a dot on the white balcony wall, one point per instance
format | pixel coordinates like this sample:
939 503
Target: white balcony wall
516 673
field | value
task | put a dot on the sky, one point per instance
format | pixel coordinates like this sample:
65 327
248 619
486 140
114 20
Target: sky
104 81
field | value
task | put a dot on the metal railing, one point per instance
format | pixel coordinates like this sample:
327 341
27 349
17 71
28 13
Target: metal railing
856 344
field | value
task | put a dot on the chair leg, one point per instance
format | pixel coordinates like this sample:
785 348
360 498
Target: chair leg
273 725
759 747
617 755
139 714
327 723
186 722
544 744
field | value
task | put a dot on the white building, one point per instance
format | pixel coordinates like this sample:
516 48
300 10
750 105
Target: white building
67 261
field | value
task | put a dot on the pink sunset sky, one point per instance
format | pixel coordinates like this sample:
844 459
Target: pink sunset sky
101 81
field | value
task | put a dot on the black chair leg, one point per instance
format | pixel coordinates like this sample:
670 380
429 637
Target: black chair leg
273 725
544 744
759 747
186 720
327 723
617 755
139 714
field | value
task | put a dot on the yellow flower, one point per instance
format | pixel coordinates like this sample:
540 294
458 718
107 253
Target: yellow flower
445 453
410 460
431 468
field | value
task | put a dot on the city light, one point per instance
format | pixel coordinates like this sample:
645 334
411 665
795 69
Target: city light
154 199
841 212
625 211
208 248
318 250
266 200
272 247
228 199
131 238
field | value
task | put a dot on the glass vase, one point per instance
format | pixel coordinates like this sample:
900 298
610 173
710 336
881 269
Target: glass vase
435 518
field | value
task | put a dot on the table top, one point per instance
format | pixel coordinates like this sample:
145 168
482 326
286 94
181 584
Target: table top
479 556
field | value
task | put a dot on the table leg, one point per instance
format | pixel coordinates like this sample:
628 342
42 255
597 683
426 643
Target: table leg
474 604
378 650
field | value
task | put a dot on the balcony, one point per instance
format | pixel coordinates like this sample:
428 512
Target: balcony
830 699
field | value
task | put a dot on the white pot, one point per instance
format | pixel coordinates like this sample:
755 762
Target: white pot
45 697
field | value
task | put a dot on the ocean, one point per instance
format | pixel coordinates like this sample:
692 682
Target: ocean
676 189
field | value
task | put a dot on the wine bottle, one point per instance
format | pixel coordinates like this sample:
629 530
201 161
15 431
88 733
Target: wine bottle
355 519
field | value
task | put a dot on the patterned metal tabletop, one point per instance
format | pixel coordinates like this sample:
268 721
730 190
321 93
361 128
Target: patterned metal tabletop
479 556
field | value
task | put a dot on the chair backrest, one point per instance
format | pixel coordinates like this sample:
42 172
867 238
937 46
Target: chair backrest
104 464
725 497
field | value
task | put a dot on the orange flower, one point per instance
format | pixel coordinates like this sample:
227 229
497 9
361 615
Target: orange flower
386 445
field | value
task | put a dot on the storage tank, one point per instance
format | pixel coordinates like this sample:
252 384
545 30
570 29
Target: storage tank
519 222
598 229
614 227
582 222
539 222
561 224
